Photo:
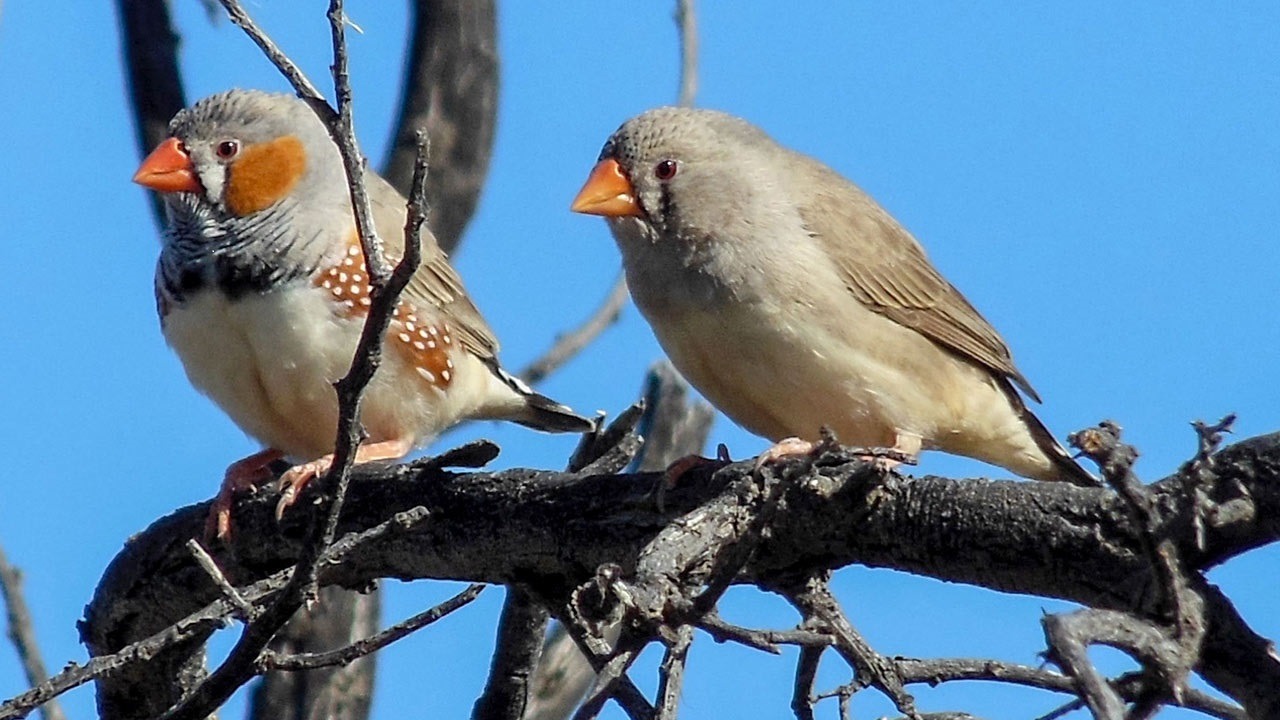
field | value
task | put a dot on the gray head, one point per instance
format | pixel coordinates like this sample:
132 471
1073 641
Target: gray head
699 202
252 180
244 151
684 170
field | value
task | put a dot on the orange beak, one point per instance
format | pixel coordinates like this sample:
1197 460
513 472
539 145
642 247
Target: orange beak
168 169
607 192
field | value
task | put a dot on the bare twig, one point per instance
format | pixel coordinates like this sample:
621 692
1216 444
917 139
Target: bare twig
23 634
671 673
239 666
814 600
194 625
243 607
286 65
1070 636
271 660
766 640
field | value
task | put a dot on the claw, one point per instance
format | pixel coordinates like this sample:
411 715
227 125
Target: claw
244 474
786 447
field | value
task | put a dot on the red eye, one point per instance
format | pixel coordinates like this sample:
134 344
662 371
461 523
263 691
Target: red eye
227 149
665 170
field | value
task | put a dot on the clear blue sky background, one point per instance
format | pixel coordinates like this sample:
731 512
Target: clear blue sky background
1101 179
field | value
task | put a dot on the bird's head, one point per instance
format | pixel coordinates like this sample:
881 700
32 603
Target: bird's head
241 152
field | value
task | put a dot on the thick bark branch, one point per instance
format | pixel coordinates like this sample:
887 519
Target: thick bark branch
550 531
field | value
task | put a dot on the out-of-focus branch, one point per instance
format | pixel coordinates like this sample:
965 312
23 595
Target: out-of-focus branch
22 633
337 693
518 649
450 91
570 343
687 23
150 49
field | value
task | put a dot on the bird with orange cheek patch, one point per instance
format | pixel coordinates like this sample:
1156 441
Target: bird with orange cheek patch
262 291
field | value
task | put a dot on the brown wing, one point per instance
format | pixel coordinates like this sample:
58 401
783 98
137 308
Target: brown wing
887 271
436 283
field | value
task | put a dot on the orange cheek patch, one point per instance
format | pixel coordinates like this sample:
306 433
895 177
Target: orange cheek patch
426 346
263 174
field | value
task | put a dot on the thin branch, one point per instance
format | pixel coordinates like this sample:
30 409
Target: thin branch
243 607
687 23
239 666
569 344
765 640
814 600
284 63
22 633
271 660
671 673
196 624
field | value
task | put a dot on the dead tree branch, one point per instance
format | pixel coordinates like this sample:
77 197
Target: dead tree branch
547 531
23 634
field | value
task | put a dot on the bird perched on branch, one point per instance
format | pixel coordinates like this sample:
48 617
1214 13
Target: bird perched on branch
793 301
262 290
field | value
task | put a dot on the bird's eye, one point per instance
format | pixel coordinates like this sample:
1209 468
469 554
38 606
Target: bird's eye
665 170
227 149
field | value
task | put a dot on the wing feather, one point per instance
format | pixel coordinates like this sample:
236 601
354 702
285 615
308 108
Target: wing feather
888 272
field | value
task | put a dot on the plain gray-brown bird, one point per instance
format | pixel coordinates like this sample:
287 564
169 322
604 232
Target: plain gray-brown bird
793 301
262 291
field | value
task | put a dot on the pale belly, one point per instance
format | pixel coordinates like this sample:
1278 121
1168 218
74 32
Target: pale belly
270 361
866 378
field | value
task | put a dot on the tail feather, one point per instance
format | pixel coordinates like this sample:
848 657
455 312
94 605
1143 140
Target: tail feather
1063 467
541 412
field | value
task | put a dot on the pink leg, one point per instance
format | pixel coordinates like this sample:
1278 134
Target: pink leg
785 447
691 462
907 443
296 478
244 474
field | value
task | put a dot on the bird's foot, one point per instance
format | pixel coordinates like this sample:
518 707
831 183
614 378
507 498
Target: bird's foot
785 448
905 451
677 469
244 474
298 477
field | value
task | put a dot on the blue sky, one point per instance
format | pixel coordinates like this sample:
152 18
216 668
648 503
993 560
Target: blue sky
1101 179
